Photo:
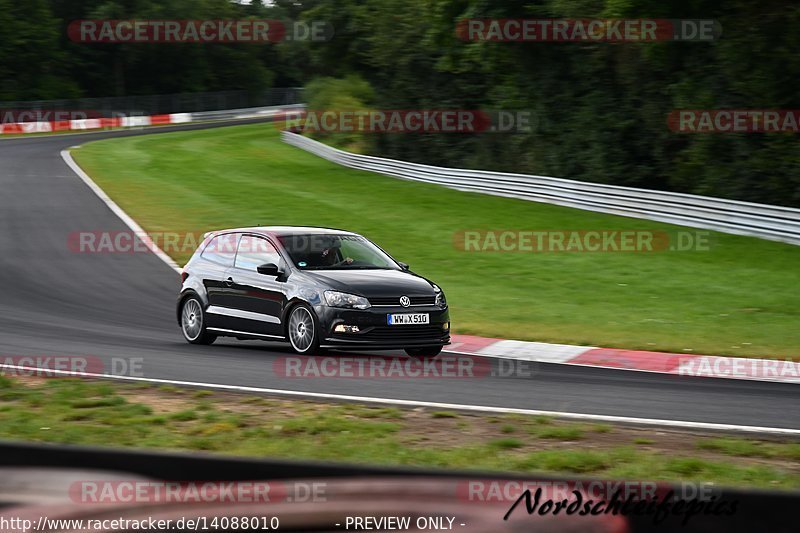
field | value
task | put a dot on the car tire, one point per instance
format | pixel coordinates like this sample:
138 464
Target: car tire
302 330
424 352
193 322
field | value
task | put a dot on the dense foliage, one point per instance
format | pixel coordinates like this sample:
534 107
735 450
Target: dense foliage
600 109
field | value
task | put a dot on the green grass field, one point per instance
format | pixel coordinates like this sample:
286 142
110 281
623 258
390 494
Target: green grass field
79 411
738 298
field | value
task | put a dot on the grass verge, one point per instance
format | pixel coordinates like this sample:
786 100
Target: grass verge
737 298
78 411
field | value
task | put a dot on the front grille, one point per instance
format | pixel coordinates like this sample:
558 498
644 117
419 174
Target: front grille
395 300
401 333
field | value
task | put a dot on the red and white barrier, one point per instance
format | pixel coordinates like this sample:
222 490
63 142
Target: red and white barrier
17 128
785 370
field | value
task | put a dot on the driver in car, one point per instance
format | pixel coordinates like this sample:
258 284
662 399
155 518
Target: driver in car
329 256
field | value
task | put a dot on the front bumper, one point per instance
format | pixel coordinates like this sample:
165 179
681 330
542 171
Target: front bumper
375 332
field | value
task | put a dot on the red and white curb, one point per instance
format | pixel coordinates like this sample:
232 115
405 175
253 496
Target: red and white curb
784 371
139 121
16 128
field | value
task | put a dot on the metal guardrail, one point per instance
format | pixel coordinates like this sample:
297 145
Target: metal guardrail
728 216
247 112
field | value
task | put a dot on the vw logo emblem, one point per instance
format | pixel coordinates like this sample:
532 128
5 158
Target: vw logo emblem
405 301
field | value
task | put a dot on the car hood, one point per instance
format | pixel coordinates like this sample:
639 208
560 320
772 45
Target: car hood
374 283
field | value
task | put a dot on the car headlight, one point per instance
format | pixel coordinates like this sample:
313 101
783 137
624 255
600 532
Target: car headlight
342 299
441 301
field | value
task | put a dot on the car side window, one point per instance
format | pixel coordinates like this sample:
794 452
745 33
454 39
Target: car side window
254 252
221 249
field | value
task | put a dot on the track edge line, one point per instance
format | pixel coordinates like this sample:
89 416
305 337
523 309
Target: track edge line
417 403
116 209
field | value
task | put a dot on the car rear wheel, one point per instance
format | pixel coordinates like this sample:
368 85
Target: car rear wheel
193 322
424 352
302 330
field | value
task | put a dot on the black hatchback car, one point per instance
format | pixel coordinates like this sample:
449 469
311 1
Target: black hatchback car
318 288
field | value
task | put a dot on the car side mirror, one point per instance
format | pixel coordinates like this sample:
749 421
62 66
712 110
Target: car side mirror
404 266
269 269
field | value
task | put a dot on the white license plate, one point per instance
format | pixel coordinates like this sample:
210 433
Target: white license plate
408 318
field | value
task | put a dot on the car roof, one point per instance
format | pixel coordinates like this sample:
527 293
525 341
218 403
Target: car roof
284 231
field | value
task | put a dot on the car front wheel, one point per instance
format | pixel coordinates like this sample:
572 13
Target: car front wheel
302 330
193 322
424 352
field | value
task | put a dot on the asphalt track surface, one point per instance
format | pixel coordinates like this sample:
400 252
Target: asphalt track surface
54 301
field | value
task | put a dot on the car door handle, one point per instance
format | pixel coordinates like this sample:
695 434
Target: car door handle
228 282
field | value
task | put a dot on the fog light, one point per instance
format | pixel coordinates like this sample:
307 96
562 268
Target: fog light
344 328
446 326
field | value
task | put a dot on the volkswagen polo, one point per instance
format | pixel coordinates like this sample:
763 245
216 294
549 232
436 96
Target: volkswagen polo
317 288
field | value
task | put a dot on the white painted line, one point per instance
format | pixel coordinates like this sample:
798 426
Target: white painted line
117 210
417 403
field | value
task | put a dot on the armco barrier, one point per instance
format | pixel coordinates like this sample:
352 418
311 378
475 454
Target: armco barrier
729 216
249 112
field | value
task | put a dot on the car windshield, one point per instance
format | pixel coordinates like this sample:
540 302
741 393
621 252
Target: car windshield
345 252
